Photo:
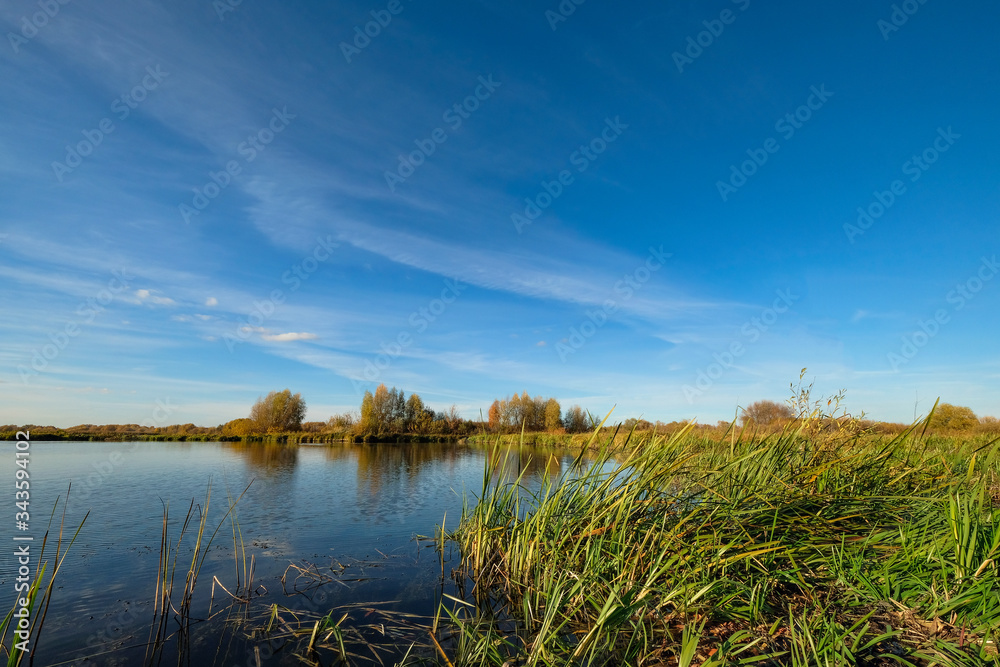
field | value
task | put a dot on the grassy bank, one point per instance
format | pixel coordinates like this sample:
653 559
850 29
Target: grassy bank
290 438
617 437
774 550
59 435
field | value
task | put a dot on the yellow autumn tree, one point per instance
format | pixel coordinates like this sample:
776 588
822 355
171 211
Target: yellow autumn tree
278 412
948 417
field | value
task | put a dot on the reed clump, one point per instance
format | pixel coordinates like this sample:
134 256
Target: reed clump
176 582
24 632
783 549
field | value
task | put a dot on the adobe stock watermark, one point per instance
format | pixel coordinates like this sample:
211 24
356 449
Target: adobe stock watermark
581 158
363 35
958 298
899 17
915 167
103 470
562 12
696 44
751 332
454 116
31 25
294 278
419 320
254 145
787 126
122 107
223 7
86 313
626 288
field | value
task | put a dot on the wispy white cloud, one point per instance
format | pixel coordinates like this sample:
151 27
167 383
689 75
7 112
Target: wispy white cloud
524 273
862 315
288 337
148 296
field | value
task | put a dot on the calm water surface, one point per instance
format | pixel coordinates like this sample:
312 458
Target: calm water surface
354 511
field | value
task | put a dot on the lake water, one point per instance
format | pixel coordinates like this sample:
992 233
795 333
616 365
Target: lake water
351 511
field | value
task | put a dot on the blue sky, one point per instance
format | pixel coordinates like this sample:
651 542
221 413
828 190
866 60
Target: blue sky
638 205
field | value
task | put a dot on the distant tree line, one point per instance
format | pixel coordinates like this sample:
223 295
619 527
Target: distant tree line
535 414
391 411
946 417
387 412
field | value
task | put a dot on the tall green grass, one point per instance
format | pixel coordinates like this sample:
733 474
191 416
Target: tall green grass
770 550
37 607
174 595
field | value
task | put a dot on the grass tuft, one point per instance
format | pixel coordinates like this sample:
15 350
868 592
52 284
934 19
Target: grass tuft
794 548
